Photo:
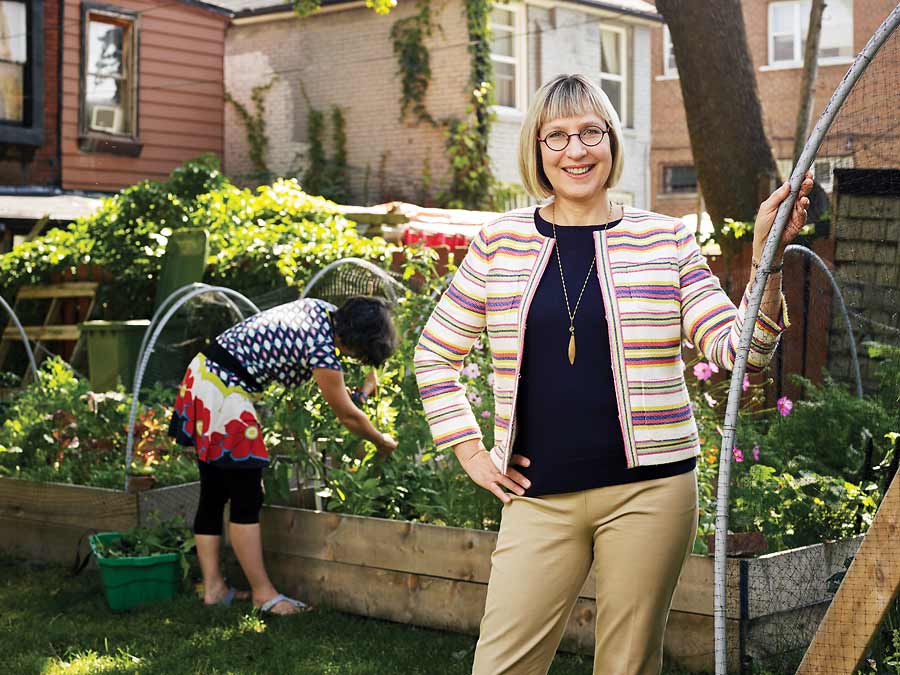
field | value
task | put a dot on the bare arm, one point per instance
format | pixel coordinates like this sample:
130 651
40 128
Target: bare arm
331 382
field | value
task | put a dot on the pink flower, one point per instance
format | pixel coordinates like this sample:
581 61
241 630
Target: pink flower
755 453
713 367
490 379
709 399
474 397
784 405
702 371
485 414
745 385
738 455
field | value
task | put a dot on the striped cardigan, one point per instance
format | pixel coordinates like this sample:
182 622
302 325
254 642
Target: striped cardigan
655 284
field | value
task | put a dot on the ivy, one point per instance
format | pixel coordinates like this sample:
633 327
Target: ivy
324 176
304 8
255 124
471 177
413 62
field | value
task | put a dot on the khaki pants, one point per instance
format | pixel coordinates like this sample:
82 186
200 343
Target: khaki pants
638 534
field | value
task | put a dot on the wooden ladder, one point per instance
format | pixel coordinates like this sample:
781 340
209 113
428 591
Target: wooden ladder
51 328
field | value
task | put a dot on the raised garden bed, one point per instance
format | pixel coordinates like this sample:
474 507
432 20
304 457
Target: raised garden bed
435 576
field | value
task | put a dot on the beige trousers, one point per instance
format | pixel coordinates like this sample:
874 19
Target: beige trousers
639 535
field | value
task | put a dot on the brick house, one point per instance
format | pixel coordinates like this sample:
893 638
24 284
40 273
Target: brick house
775 34
533 40
96 96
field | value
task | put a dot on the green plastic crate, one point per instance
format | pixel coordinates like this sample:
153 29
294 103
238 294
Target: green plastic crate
131 582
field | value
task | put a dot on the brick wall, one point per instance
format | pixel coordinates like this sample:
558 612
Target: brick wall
867 262
346 58
778 91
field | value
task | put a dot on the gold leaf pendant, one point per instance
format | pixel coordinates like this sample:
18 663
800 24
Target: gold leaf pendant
572 349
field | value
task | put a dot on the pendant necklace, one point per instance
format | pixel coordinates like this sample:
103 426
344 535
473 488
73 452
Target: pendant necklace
571 312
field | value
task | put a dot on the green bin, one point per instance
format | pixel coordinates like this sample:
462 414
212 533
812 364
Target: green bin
131 582
112 348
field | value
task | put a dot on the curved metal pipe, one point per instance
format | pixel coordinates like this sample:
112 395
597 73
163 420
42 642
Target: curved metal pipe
734 394
145 355
391 284
25 341
809 253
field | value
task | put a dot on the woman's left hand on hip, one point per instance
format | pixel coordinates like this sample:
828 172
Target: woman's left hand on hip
765 218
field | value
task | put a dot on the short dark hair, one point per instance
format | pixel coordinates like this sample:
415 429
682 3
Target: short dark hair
365 326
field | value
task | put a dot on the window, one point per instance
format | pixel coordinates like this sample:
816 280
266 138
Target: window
109 81
789 24
822 168
669 67
679 179
613 69
507 26
21 72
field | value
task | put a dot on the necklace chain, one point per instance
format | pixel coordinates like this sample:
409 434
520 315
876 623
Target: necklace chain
571 312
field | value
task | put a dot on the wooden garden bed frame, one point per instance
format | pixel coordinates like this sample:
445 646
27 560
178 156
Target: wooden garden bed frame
429 575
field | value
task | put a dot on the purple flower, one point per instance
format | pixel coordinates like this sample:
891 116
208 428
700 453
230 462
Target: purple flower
745 385
471 371
474 397
738 455
702 371
485 414
755 453
785 406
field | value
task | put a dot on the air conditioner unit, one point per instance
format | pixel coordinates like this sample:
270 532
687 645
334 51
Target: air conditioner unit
106 118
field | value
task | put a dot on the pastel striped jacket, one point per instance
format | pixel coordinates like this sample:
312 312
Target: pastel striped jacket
655 284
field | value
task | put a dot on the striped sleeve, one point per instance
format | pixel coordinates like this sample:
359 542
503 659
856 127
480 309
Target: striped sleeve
448 336
711 321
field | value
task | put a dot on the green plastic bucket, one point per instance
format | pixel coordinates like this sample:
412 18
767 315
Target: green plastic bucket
112 348
132 582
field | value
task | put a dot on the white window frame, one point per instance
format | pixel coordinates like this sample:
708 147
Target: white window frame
520 48
668 71
785 166
797 60
623 78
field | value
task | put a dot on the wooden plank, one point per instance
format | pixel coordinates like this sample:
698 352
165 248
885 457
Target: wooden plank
43 541
863 598
43 333
73 289
438 551
32 504
794 579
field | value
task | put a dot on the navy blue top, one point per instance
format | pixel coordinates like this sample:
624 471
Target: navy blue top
567 417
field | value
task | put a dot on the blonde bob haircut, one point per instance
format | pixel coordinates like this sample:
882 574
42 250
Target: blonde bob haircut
565 96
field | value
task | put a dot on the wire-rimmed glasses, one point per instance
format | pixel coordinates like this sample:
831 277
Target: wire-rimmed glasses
559 140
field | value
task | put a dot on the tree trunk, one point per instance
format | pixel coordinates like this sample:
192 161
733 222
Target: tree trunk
732 155
810 66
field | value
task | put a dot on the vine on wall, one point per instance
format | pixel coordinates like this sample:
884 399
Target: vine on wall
255 124
324 176
307 7
471 177
413 61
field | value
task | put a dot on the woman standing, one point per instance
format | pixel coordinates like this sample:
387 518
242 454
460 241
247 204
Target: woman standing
214 412
595 439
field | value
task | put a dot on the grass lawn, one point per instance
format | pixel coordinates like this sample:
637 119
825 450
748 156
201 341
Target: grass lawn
52 623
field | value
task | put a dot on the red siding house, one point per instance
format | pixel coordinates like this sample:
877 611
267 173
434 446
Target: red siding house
95 96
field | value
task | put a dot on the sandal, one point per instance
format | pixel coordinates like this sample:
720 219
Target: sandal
266 607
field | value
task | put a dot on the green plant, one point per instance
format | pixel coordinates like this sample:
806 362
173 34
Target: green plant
304 8
324 176
170 536
471 176
255 124
413 61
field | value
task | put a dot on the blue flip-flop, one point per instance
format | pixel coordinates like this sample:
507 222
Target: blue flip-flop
266 607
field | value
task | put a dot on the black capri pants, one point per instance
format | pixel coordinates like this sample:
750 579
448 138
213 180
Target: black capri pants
241 487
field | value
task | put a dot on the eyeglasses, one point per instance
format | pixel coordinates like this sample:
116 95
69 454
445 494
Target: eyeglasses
559 140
